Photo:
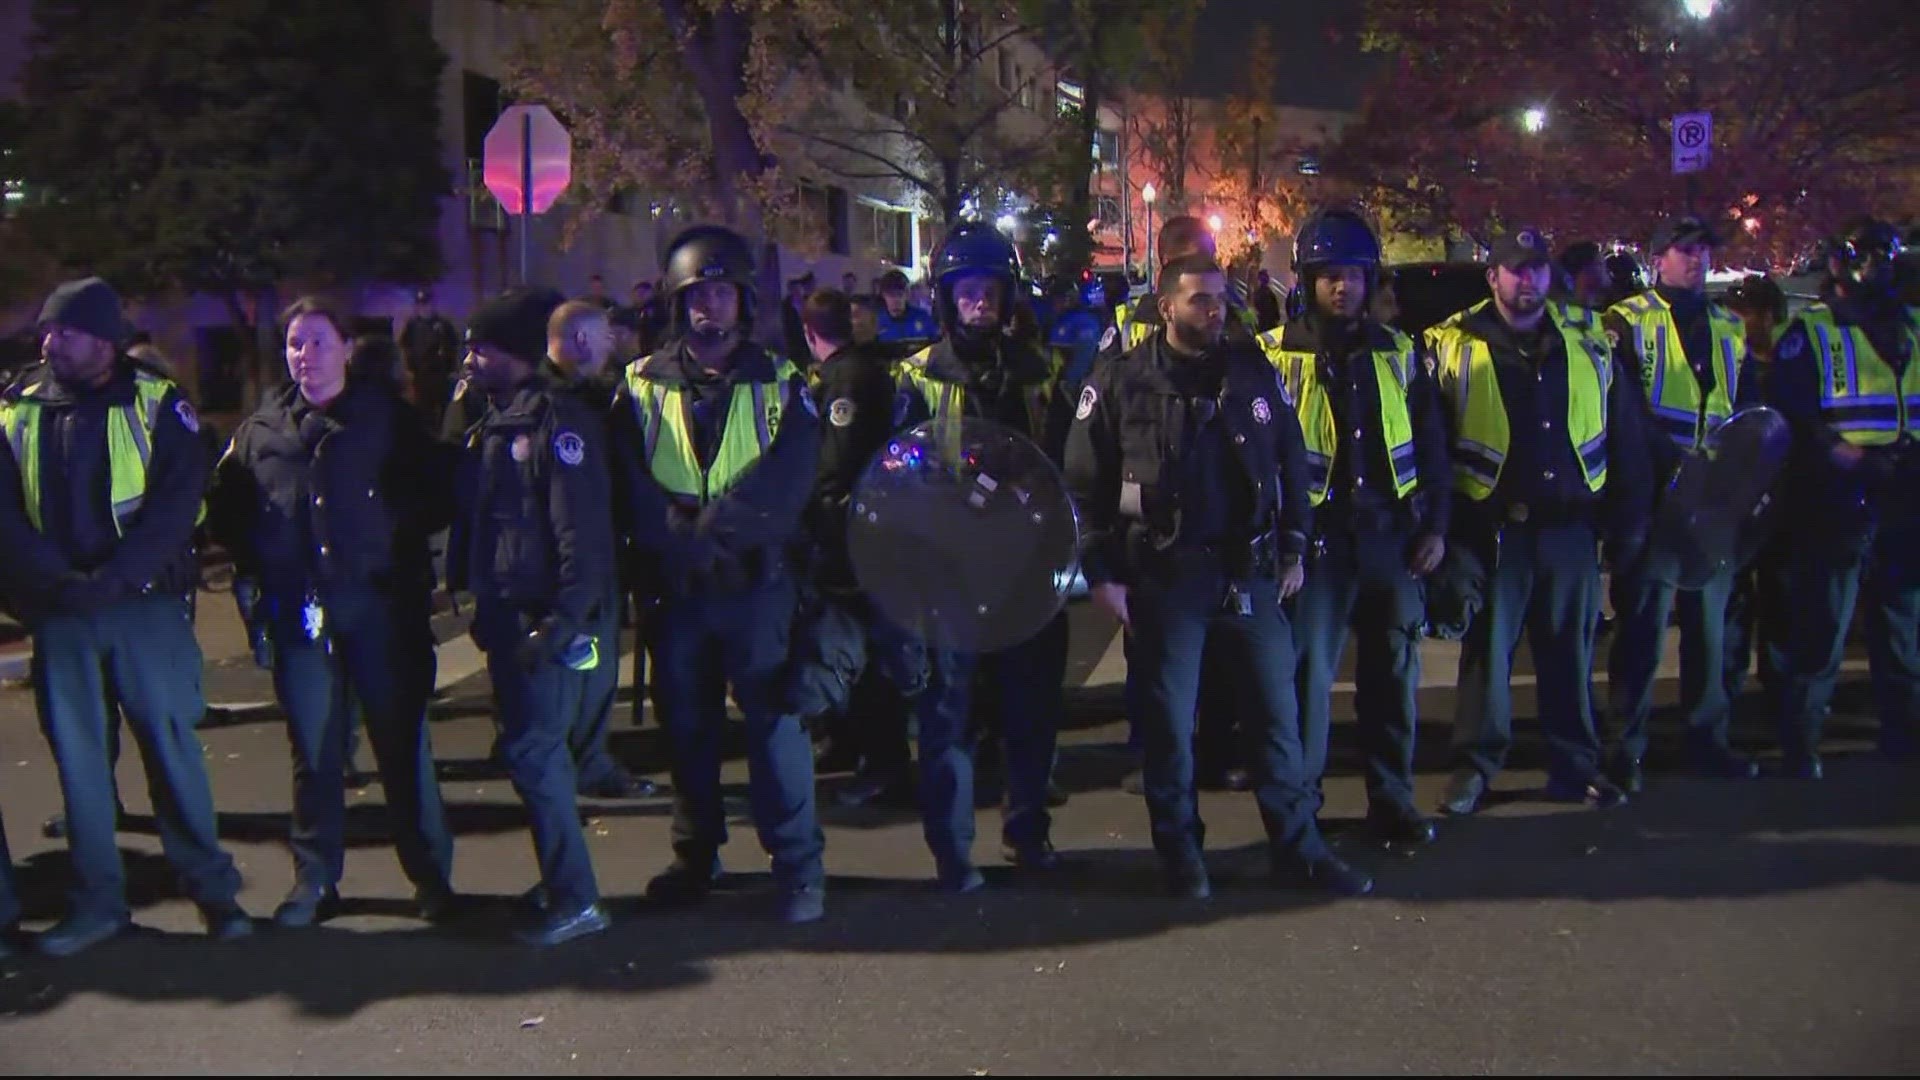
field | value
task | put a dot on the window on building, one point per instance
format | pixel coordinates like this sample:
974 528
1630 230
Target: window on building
1106 149
1106 210
839 221
1024 86
1069 95
1309 166
816 212
881 232
1008 78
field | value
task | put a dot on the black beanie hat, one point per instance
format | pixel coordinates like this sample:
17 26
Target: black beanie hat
89 305
515 322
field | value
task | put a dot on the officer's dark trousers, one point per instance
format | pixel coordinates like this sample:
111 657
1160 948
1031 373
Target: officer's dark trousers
1641 609
377 659
1362 583
1757 618
1822 593
1545 582
536 702
701 645
9 895
588 739
1175 610
1025 682
145 649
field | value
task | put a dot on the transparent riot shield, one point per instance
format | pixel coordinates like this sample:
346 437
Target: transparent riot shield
1717 511
963 534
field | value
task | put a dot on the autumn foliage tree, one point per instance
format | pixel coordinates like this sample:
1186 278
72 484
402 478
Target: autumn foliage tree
1814 107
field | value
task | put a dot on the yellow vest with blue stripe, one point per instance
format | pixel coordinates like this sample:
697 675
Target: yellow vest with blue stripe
947 401
1465 372
1860 396
1392 368
129 446
667 436
1671 387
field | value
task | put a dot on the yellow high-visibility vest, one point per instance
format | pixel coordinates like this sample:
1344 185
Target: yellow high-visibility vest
1392 368
1860 396
1671 387
666 429
129 446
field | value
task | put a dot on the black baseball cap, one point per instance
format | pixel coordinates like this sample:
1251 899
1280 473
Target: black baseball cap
1521 248
1681 230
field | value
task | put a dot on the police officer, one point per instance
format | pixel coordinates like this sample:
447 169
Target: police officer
533 543
431 346
100 486
1624 278
718 443
1073 337
978 370
852 668
1548 456
1191 478
325 498
1847 375
1378 475
1581 277
903 328
1690 356
580 340
1757 611
1138 320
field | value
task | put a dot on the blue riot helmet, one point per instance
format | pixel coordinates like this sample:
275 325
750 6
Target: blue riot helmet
974 247
707 253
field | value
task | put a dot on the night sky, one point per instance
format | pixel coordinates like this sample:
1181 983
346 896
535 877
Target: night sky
1315 71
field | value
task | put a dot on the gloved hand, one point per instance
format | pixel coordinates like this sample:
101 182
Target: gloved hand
246 597
688 554
80 593
554 641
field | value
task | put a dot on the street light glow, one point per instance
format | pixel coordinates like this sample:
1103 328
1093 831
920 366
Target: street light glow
1214 223
1534 119
1146 193
1006 223
1699 9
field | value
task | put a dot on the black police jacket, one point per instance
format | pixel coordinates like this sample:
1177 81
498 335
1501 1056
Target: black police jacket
341 497
741 536
854 388
80 562
533 535
1120 465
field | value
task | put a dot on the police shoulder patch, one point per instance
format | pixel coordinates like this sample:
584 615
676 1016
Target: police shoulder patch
1262 413
1793 344
1088 397
186 414
569 447
1107 339
840 413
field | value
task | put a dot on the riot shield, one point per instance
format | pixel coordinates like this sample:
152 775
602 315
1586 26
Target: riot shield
963 534
1717 511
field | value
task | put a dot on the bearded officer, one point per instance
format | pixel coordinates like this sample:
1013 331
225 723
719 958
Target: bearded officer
1549 456
1190 473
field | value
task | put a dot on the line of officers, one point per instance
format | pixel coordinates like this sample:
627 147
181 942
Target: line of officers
1247 502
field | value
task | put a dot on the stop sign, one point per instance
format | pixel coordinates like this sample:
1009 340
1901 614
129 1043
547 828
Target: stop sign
528 151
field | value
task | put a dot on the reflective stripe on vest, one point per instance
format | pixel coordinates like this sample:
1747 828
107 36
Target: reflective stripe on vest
948 401
129 447
1391 368
1860 396
1467 379
1672 389
667 435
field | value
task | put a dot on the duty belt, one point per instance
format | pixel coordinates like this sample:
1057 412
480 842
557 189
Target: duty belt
1547 515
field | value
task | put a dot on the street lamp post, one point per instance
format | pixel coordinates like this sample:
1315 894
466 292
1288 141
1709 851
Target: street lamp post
1146 196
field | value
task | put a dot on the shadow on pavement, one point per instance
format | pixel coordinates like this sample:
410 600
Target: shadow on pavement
1682 840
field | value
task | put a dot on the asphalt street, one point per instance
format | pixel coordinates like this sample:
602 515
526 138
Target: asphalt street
1768 927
